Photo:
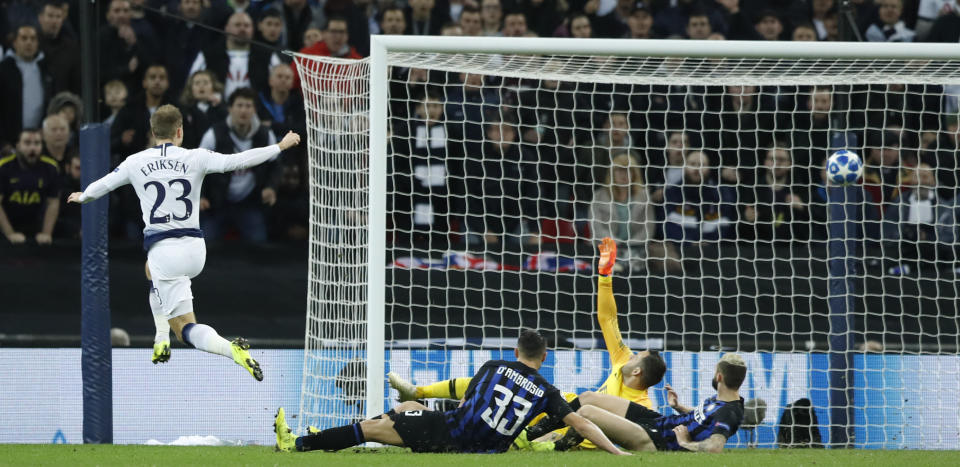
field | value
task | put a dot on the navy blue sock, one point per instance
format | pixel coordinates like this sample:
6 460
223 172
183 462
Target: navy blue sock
185 332
333 439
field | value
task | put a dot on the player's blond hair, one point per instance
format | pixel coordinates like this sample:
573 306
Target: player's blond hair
733 369
165 121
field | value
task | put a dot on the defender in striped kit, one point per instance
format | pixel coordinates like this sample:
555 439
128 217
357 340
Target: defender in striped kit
502 398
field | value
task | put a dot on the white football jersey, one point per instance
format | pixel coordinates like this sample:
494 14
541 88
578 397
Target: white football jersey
167 180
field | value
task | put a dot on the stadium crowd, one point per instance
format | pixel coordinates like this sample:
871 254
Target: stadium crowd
659 168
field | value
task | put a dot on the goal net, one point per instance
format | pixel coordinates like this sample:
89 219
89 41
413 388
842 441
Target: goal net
459 190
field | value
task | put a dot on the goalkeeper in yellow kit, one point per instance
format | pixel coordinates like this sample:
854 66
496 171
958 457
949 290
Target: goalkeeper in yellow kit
630 378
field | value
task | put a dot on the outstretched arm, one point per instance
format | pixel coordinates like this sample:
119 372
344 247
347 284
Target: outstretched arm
252 157
97 189
590 431
607 306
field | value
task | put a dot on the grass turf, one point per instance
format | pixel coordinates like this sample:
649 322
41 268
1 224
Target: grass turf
131 455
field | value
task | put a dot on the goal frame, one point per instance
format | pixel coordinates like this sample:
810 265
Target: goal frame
382 45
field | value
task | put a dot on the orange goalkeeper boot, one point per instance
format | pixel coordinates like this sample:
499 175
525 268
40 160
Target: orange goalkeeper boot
608 256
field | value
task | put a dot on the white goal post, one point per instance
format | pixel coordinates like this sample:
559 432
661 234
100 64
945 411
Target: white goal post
350 309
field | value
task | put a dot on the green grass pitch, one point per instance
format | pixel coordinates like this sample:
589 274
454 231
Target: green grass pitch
130 455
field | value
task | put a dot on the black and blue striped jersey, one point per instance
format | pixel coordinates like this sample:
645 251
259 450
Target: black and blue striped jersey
711 417
502 398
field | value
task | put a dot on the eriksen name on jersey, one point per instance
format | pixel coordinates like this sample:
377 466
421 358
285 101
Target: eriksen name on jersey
164 164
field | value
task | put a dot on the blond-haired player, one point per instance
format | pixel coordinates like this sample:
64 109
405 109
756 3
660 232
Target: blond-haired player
167 179
703 428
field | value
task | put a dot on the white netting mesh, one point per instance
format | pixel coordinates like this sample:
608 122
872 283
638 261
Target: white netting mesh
503 171
337 101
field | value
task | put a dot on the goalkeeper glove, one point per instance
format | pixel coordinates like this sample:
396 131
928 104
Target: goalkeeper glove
608 256
161 352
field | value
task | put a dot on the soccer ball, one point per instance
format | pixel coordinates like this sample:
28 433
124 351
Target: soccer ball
844 167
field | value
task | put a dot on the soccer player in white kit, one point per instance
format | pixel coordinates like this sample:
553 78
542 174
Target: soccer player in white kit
167 179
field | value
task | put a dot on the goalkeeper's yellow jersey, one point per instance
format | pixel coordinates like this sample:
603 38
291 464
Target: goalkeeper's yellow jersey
619 352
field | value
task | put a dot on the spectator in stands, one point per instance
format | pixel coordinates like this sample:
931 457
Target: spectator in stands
614 24
491 14
640 23
580 26
471 22
296 18
123 54
667 170
698 26
594 161
130 132
238 199
881 175
773 212
910 229
25 84
621 210
420 176
947 27
816 131
312 36
234 60
334 44
543 16
289 218
423 19
221 11
280 107
928 12
466 108
820 12
769 26
940 153
29 191
56 140
270 28
70 107
737 132
114 97
739 22
201 105
804 32
672 20
451 29
832 25
514 25
889 28
143 28
61 50
393 21
358 24
183 40
698 210
68 220
501 200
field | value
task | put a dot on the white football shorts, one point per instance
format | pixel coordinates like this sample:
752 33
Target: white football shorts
173 262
